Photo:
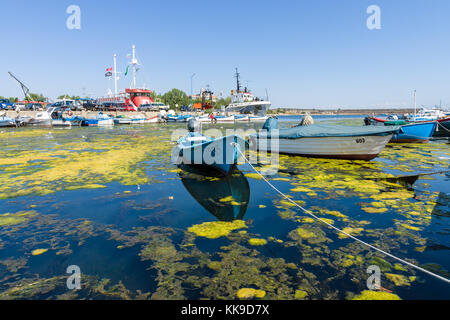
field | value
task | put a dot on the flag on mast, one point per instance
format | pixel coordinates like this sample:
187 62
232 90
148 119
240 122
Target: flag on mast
108 72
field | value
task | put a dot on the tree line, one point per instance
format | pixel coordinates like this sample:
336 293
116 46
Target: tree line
171 98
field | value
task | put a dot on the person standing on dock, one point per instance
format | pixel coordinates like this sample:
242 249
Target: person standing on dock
213 118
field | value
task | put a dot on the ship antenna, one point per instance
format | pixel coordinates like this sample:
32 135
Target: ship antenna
238 85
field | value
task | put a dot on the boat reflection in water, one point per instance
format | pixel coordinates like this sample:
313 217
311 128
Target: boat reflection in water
226 197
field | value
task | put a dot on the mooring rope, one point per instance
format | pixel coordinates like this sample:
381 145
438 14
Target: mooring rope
442 127
341 231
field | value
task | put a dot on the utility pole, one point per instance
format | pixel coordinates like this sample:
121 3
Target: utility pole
115 75
415 105
191 88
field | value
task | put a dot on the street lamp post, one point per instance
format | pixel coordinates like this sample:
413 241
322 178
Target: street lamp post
191 88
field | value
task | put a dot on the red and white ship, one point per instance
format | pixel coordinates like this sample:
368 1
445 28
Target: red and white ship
132 98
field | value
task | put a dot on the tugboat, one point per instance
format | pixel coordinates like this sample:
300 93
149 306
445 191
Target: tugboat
244 102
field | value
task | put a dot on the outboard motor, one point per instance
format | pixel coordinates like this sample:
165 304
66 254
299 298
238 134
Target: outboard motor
193 125
367 121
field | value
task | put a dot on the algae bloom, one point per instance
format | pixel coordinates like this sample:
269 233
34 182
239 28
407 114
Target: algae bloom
216 229
376 295
257 242
38 252
249 293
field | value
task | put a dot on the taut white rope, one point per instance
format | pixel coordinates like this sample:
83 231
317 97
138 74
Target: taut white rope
341 231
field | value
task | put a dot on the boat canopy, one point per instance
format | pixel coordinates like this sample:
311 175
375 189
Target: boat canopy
322 130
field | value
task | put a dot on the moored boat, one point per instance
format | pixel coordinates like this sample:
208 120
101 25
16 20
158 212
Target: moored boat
324 141
197 150
98 120
7 121
419 132
122 120
224 119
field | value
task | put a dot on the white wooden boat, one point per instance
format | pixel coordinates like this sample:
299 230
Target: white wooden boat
41 119
324 141
258 119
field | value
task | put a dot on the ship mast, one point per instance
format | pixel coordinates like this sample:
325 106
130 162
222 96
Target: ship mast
115 75
134 63
238 85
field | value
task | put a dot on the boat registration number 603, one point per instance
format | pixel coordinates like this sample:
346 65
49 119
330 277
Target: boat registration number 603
360 140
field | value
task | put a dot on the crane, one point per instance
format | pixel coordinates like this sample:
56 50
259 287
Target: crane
25 89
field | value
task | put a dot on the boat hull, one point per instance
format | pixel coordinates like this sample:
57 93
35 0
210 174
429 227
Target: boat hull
415 133
218 154
122 121
98 122
61 123
349 148
7 123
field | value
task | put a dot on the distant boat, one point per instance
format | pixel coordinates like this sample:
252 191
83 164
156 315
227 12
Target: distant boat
244 102
7 121
42 118
427 115
224 119
241 117
122 120
220 154
99 120
178 118
258 119
154 119
226 198
325 141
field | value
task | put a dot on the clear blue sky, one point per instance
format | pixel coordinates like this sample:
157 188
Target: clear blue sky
306 53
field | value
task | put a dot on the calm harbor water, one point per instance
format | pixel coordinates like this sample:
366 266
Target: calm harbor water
109 201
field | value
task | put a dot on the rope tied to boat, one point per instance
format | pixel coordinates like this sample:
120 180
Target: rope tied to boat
341 231
440 125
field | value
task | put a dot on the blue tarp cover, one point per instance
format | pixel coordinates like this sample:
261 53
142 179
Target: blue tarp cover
322 130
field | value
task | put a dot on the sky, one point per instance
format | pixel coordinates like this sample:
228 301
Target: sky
306 53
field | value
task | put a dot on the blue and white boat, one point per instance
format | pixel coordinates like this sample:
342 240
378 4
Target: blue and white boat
178 118
122 120
419 132
100 119
198 150
7 121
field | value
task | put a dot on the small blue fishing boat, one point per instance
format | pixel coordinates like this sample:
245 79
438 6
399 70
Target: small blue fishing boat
198 150
100 119
419 132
